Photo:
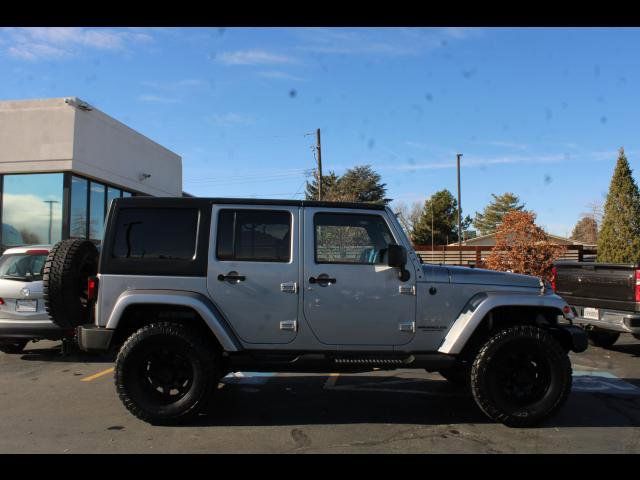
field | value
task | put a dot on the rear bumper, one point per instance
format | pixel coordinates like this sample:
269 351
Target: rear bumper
32 329
625 322
94 339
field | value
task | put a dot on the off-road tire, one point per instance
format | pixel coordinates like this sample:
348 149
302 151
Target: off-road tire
603 338
488 387
133 372
68 266
13 347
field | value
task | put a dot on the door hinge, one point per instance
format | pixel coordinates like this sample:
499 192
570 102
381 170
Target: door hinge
290 325
407 289
407 327
289 287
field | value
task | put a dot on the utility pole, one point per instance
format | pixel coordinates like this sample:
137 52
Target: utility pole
431 225
50 202
319 164
459 209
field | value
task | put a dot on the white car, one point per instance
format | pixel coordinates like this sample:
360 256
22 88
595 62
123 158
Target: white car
22 313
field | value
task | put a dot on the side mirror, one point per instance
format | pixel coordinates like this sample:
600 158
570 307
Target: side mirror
397 257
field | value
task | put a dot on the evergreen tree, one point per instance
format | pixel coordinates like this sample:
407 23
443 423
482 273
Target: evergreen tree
445 220
487 221
619 239
358 184
586 230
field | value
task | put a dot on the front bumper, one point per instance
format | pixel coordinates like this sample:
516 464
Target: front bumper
32 330
573 337
92 338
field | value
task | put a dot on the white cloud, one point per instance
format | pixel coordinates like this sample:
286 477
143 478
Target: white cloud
156 99
253 57
230 119
53 43
37 220
275 74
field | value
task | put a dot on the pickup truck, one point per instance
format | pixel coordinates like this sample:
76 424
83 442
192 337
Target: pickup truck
605 296
188 290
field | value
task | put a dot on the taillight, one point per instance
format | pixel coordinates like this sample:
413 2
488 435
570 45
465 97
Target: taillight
92 288
638 285
37 252
1 301
554 278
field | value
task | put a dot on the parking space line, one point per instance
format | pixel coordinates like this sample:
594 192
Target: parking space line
97 375
331 381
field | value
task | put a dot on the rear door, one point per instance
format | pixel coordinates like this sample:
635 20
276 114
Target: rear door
253 270
351 296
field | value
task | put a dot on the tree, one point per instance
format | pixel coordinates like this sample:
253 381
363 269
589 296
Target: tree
523 247
487 221
408 216
358 184
619 239
445 220
586 230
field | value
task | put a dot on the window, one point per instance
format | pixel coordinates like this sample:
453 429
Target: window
254 235
78 220
126 194
111 194
23 266
350 238
156 233
96 217
32 208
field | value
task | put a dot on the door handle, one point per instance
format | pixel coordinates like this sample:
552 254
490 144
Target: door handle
322 279
231 277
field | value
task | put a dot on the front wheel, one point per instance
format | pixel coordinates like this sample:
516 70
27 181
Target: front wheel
521 376
165 373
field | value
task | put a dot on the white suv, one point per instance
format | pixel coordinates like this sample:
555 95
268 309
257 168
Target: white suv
22 313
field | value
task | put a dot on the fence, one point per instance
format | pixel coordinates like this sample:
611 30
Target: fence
475 256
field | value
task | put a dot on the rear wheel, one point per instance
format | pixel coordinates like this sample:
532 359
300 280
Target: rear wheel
13 347
165 373
603 338
521 376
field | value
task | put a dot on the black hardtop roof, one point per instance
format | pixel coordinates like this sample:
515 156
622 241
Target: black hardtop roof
149 201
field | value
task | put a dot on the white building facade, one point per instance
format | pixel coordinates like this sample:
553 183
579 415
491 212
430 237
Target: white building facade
62 161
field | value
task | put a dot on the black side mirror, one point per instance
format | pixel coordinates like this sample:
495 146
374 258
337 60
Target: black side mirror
397 257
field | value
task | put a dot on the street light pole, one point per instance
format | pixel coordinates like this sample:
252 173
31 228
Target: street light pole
459 210
50 202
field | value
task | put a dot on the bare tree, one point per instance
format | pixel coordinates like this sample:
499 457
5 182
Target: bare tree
407 215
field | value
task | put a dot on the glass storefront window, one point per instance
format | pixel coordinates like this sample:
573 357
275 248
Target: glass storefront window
126 194
32 208
111 194
96 208
78 220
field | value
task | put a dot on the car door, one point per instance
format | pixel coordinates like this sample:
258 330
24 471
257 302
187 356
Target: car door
351 296
253 270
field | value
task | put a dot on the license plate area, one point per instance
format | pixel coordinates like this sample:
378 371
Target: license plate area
592 313
26 305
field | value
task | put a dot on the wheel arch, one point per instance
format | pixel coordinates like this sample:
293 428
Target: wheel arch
486 312
135 309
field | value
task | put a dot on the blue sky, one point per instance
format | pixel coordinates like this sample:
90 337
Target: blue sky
540 112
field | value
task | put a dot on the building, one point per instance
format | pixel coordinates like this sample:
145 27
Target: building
61 163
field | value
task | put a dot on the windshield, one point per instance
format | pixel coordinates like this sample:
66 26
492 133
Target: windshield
22 267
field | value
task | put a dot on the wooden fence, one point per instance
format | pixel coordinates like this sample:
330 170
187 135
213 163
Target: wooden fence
475 256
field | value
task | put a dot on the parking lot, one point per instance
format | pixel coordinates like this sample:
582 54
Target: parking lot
52 403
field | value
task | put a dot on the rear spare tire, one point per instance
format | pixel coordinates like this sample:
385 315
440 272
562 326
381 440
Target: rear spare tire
68 266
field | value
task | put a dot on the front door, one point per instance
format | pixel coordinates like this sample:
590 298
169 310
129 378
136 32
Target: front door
253 270
351 296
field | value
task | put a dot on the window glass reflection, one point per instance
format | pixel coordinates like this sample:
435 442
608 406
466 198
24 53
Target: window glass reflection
78 220
96 217
32 209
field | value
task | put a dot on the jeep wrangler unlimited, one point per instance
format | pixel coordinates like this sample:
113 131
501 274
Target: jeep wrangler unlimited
191 289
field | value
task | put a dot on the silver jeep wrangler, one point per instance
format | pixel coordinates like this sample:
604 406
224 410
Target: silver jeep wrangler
191 289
